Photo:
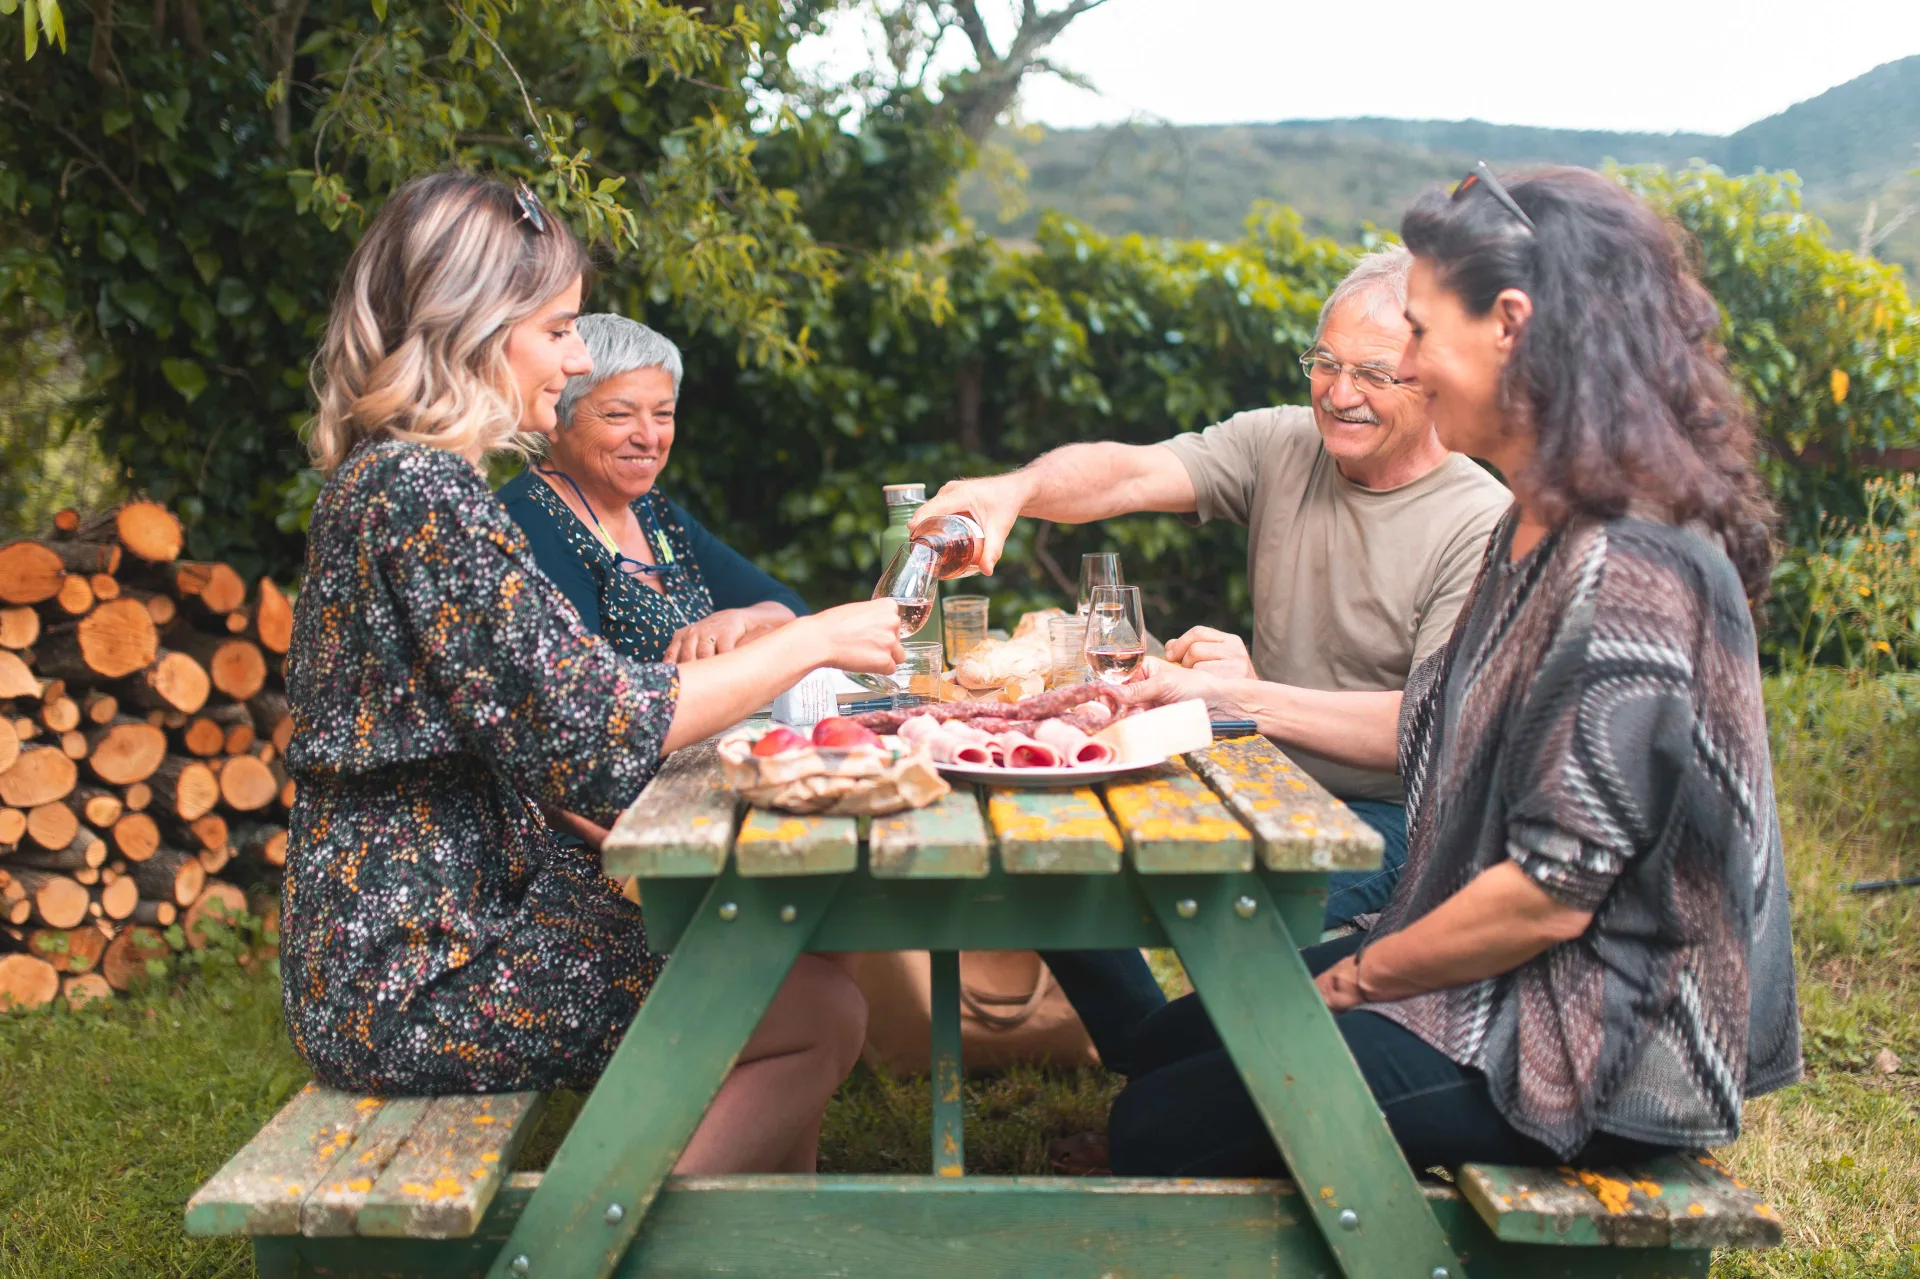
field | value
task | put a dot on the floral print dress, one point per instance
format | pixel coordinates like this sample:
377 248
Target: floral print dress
435 938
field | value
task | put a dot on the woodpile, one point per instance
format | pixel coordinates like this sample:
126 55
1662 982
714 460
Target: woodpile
142 720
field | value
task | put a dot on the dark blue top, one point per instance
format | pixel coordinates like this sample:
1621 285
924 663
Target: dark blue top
636 619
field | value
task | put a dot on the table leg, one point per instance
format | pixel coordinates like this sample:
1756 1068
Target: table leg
724 973
949 1144
1248 972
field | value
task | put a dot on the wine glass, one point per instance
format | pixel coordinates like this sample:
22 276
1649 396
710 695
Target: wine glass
1116 635
910 581
1099 568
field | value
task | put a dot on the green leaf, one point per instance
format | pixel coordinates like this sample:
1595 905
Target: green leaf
234 298
207 263
284 304
186 377
114 119
380 10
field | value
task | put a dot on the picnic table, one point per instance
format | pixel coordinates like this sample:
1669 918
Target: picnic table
1222 856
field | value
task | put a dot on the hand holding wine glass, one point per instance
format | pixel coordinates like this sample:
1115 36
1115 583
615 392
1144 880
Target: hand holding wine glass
1116 633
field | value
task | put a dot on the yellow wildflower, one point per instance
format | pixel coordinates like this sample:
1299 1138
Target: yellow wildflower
1840 382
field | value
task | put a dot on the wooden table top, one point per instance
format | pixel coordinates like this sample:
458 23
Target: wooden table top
1213 811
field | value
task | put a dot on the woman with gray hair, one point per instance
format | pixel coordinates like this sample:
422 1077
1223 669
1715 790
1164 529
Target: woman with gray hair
640 570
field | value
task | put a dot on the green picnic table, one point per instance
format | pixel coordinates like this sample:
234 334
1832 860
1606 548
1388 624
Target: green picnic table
1223 857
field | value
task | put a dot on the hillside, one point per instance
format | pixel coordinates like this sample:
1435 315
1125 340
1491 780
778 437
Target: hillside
1854 143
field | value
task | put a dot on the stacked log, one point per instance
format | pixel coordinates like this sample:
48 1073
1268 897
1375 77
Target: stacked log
142 721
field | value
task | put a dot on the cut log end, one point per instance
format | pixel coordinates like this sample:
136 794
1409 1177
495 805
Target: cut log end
125 751
150 531
219 902
27 982
124 964
41 775
87 988
174 682
30 573
246 784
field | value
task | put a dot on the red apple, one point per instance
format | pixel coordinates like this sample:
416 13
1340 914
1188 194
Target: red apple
838 730
778 739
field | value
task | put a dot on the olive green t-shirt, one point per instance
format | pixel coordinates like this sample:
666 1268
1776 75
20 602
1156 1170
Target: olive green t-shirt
1352 587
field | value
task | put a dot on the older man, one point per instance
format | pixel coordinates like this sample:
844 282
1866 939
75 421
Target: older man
1364 537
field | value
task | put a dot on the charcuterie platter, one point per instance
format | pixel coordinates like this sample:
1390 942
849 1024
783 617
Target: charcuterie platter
1073 736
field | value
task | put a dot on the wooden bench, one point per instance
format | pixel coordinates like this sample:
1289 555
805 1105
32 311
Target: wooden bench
1224 858
336 1167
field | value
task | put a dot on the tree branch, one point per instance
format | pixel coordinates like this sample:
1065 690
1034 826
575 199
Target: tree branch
93 157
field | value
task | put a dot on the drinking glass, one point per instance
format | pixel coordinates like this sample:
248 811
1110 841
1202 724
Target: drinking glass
1116 635
909 579
1067 644
1099 568
963 619
916 681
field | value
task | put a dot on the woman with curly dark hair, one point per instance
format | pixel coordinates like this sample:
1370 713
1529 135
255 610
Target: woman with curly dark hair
1588 955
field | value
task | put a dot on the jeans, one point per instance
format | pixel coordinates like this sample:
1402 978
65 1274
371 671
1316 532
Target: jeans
1364 892
1185 1113
1113 991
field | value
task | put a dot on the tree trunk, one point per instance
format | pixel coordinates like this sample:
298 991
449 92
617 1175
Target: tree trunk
73 599
219 902
19 627
97 806
169 875
209 831
16 677
155 914
184 788
69 950
125 751
84 989
124 964
212 589
41 775
60 714
262 843
246 784
83 850
202 737
234 665
87 558
116 639
118 897
272 623
26 982
159 605
238 725
174 682
136 836
59 901
52 826
29 573
149 530
272 718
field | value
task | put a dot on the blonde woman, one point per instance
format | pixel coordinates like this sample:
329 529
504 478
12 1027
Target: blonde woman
435 936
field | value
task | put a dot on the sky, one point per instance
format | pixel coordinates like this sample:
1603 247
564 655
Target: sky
1707 66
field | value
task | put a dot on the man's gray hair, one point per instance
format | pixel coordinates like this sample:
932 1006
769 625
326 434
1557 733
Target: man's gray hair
616 345
1379 279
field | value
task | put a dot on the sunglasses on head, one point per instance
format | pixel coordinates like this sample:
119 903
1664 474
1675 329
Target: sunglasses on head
531 210
1482 176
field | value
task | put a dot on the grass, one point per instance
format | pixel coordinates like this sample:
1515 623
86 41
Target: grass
112 1118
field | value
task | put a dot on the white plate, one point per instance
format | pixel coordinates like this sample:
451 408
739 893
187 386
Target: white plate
1041 778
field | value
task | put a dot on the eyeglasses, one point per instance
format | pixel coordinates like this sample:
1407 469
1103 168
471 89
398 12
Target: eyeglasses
1483 176
531 210
1367 375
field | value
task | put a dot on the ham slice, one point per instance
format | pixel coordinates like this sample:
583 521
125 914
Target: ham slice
1027 752
1074 746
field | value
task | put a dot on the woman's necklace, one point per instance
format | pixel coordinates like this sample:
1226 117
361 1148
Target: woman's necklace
621 560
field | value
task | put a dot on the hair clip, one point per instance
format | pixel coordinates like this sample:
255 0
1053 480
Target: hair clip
530 207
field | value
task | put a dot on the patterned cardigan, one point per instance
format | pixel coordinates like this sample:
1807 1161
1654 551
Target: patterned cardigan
1596 718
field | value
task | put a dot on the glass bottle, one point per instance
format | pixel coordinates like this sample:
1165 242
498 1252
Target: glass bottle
903 500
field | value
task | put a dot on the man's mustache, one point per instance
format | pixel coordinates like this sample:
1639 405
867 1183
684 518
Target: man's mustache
1362 414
